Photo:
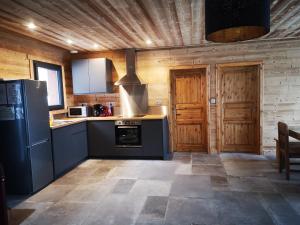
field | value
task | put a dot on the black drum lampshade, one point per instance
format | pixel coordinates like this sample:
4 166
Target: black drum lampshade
236 20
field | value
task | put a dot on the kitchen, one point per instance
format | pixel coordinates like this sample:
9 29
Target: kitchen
189 144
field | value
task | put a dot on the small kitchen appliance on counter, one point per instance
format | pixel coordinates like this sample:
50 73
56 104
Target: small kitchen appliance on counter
102 110
79 111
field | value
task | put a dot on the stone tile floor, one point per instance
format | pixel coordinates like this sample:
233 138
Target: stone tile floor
192 189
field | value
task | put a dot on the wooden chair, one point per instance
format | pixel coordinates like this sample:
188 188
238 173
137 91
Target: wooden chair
286 150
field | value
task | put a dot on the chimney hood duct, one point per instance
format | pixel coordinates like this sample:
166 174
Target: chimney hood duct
131 77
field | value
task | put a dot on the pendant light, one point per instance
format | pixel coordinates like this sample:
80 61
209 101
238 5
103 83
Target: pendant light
236 20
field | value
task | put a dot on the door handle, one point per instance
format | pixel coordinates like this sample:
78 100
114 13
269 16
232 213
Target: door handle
40 142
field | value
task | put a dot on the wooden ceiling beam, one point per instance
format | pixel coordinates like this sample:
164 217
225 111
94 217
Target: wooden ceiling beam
172 21
156 12
98 24
94 36
289 13
118 24
159 39
45 22
121 19
185 19
133 19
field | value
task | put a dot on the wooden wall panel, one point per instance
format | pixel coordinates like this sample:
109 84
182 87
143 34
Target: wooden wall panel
17 53
281 77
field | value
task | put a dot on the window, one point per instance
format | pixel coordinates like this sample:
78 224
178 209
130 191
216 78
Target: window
52 74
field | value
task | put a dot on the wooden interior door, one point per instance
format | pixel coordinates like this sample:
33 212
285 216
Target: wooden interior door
240 122
189 105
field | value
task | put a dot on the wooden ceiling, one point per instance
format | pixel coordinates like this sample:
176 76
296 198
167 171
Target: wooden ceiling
118 24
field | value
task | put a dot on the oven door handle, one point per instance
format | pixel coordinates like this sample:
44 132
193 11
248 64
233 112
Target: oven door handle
126 127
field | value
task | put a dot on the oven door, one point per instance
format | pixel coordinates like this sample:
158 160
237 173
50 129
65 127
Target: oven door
128 136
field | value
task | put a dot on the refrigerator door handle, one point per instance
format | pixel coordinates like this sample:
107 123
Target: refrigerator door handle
40 142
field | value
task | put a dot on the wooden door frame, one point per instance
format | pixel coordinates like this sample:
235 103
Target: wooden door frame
219 67
171 110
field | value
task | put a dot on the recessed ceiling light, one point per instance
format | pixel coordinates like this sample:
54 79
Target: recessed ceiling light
31 26
73 51
69 41
96 46
148 42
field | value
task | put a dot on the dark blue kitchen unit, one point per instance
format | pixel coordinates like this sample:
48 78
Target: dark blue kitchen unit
69 146
102 140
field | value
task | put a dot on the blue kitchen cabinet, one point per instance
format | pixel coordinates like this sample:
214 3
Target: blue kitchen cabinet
155 138
92 76
101 138
69 145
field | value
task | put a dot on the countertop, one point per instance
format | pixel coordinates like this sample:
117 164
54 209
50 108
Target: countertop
69 121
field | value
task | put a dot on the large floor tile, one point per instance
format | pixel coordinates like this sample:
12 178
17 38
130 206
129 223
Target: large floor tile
205 159
251 184
64 214
26 212
238 208
154 210
294 200
158 172
187 211
210 170
52 193
123 186
116 209
125 172
151 188
192 186
89 193
279 209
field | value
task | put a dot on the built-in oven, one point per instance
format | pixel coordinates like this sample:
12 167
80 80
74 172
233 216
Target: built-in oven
128 133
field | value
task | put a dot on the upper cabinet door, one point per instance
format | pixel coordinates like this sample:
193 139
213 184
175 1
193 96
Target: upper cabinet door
97 72
92 76
80 76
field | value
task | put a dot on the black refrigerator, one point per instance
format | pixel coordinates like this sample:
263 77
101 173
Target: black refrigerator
25 140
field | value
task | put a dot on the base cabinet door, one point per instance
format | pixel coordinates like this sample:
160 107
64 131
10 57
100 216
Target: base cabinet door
69 146
41 165
79 142
101 138
152 138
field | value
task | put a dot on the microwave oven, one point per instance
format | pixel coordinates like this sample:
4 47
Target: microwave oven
79 111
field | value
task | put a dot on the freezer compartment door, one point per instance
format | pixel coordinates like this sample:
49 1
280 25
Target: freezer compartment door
36 104
41 164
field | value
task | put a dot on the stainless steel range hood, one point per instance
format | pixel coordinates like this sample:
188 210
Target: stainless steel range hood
131 77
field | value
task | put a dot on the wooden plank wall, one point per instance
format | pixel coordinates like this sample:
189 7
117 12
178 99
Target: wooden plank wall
281 61
17 53
281 77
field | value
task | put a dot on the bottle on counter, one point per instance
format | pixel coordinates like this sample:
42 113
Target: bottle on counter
110 109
